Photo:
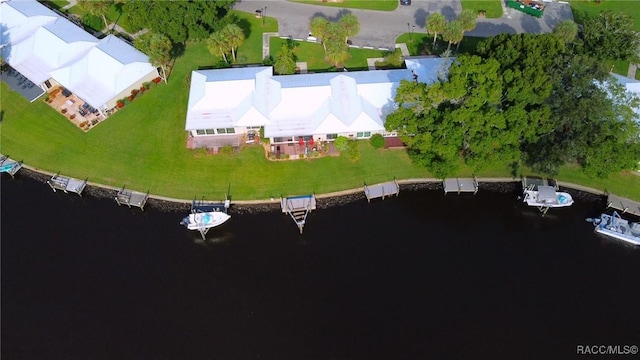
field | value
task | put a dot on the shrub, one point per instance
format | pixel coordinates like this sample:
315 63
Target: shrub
377 141
226 150
341 143
394 58
157 80
93 22
354 151
120 104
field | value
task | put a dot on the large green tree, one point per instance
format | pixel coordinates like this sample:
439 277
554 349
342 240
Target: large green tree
349 26
285 62
566 30
593 123
319 27
158 47
611 35
453 33
218 45
235 37
179 20
98 8
435 24
333 36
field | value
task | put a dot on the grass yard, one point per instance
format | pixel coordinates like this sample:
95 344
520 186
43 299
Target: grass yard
582 9
382 5
422 43
57 4
492 8
313 54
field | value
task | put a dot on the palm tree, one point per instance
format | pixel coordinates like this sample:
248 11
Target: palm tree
218 45
158 47
98 8
235 37
435 25
566 30
453 33
349 26
319 27
468 20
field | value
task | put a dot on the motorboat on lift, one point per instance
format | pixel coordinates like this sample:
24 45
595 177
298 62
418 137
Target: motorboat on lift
616 227
205 220
544 196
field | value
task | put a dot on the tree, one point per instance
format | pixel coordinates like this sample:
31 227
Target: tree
217 44
337 53
453 33
158 47
98 8
179 20
566 31
435 25
593 121
349 26
468 19
611 35
319 27
285 62
234 36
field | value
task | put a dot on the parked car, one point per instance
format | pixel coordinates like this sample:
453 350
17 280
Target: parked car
405 2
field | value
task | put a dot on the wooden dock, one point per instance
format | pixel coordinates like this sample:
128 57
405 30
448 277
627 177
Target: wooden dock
458 185
381 190
67 184
623 204
9 166
298 207
132 198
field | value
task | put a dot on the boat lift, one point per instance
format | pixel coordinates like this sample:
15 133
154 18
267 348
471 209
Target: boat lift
381 190
545 189
202 206
66 184
298 207
131 198
9 166
458 185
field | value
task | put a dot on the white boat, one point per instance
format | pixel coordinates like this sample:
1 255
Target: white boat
617 227
547 197
205 220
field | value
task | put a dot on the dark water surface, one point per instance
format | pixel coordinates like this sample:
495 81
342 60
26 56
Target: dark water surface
421 276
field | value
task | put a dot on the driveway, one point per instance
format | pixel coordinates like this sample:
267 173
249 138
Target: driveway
379 29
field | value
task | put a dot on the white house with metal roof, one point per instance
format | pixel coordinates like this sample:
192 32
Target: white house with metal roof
320 106
50 50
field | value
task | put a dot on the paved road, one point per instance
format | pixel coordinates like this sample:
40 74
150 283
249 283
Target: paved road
381 28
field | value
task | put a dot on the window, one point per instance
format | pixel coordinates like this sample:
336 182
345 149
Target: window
47 84
364 134
332 136
199 132
210 132
226 131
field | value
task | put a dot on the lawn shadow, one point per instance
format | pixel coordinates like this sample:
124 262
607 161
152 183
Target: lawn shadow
245 25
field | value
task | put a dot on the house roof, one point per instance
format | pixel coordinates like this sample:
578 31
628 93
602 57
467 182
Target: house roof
296 105
104 72
41 44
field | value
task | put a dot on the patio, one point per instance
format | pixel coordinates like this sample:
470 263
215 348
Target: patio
74 109
20 84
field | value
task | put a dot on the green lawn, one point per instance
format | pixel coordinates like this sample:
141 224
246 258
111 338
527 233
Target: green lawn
143 147
492 8
583 9
382 5
313 54
57 4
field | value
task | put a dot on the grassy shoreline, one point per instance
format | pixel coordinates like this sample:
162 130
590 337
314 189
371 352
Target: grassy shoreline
143 146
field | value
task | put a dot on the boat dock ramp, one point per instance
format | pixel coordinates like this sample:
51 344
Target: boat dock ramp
9 166
131 198
623 204
460 185
67 184
298 207
381 190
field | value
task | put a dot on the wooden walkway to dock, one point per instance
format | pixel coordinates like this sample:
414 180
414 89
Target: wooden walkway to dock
298 207
623 204
458 185
381 190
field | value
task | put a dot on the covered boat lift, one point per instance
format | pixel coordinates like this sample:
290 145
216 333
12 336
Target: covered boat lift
67 184
381 190
132 198
298 207
458 185
623 204
9 166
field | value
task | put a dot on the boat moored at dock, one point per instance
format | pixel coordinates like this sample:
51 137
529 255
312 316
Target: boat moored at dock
616 227
205 220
